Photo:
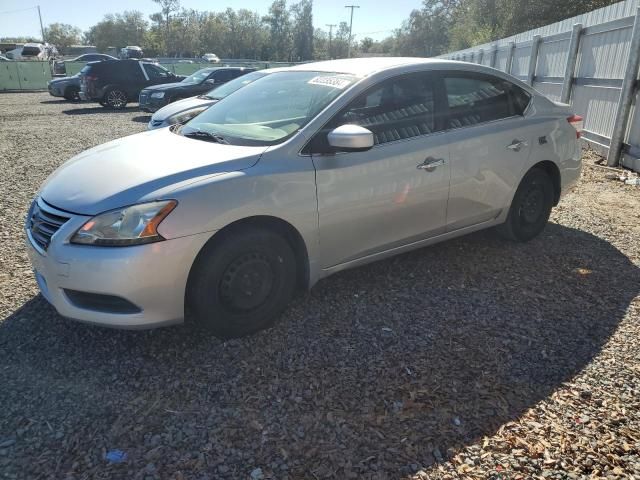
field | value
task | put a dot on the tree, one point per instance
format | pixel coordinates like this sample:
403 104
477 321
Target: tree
62 35
279 24
119 30
302 14
167 7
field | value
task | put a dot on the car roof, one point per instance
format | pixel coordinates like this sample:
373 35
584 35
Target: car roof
362 67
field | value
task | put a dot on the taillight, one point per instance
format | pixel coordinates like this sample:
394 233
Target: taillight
576 122
90 78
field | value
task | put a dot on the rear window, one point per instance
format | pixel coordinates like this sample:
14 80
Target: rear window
476 99
30 51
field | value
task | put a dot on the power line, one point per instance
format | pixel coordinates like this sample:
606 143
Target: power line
350 27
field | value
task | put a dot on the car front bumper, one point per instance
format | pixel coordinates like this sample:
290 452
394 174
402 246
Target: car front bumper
151 105
151 277
56 91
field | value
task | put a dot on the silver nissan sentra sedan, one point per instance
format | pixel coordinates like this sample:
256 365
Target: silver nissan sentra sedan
300 174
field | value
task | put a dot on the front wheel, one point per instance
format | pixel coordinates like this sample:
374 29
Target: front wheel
115 98
530 208
241 282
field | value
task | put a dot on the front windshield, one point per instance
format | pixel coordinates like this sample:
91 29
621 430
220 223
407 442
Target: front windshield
199 76
271 109
233 85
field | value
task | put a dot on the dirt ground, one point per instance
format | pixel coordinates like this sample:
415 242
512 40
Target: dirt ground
474 358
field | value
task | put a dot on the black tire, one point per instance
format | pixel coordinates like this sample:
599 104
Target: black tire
530 208
72 93
115 98
241 282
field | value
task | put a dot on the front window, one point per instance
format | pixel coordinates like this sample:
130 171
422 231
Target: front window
156 71
270 110
198 77
233 85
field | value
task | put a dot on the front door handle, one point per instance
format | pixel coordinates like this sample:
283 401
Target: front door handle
430 164
517 145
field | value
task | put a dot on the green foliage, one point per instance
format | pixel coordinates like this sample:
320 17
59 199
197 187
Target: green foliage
62 35
286 33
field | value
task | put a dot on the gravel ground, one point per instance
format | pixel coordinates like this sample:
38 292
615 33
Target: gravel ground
475 358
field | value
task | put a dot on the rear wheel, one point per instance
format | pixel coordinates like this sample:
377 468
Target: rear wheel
72 93
241 282
115 98
530 208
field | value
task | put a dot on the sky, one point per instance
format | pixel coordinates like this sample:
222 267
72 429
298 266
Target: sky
375 19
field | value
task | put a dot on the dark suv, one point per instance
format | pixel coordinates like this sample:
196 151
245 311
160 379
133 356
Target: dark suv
155 97
113 83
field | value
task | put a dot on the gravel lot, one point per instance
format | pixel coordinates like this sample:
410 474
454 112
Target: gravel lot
474 358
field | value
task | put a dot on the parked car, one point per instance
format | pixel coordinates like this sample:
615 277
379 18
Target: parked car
305 172
34 51
183 110
114 83
67 87
60 68
131 52
211 58
157 96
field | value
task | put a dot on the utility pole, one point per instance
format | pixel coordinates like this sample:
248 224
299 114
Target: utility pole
41 27
330 25
350 28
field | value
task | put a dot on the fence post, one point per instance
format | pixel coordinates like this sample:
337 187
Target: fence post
512 49
626 96
533 59
480 56
570 68
494 55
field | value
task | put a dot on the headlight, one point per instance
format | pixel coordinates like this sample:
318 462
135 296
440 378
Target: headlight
183 117
157 95
134 225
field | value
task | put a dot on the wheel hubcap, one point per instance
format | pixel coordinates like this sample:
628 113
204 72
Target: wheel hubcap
247 282
116 98
532 204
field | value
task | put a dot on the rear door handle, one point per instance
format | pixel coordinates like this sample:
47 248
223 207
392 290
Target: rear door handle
517 145
430 164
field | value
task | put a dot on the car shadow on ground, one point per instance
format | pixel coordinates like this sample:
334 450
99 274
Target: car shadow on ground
98 109
59 101
377 371
142 118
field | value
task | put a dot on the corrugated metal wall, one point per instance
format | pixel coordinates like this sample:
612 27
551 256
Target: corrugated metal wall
602 58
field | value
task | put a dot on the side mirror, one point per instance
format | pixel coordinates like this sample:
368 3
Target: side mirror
210 81
350 138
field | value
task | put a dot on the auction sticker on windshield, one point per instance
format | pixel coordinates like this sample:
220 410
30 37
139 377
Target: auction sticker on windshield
335 82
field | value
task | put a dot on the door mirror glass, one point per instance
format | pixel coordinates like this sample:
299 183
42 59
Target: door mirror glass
350 138
210 81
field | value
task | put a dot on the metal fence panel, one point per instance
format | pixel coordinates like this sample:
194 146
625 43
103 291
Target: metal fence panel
501 59
552 58
9 78
604 55
33 75
521 61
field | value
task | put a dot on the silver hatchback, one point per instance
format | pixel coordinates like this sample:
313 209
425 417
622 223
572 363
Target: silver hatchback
300 174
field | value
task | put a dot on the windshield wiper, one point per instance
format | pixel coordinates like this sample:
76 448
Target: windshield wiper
209 137
207 97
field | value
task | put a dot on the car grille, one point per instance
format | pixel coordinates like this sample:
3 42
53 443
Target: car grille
143 98
43 223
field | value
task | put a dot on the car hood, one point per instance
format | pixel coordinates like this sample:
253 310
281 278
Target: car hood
141 167
74 79
171 86
181 106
